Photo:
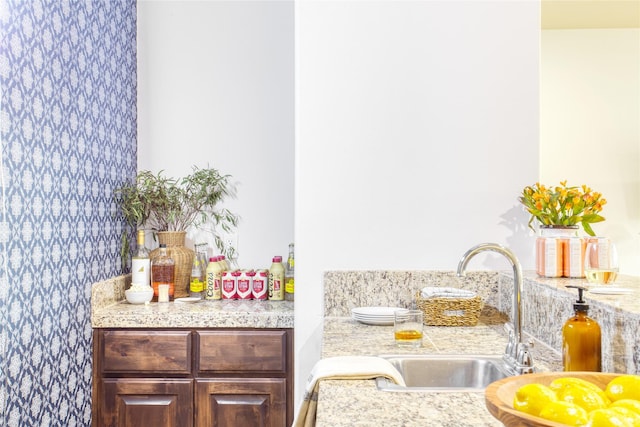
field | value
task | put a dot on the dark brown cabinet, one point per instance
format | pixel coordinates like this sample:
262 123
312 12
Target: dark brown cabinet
193 377
147 402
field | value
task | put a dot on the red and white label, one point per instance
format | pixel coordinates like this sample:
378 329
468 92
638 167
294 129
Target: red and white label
259 286
244 285
230 285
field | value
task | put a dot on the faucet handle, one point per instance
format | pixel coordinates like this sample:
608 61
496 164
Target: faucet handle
510 351
508 327
524 360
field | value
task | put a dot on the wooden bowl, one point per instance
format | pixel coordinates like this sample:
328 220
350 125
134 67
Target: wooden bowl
499 396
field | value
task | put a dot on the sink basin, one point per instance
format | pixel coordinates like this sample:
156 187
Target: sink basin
444 372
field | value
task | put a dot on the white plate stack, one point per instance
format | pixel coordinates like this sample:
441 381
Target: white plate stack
375 315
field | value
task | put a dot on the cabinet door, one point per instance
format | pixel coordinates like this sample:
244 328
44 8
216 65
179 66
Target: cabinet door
131 402
246 402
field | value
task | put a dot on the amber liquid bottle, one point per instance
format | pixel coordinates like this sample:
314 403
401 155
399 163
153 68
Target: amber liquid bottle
163 270
581 339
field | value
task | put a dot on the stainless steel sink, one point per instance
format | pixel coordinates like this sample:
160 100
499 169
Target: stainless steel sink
443 372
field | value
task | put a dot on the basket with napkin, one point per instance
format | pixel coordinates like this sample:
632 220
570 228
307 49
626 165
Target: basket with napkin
444 306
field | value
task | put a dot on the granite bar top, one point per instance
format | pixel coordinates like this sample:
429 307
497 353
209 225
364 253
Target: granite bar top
109 309
547 304
344 403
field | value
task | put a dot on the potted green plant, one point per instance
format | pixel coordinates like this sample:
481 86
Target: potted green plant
169 206
563 206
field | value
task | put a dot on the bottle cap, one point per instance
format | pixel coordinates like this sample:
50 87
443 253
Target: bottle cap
277 259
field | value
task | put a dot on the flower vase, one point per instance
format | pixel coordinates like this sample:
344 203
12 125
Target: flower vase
550 249
182 257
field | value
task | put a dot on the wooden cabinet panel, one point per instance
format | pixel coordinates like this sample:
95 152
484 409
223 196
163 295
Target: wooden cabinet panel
239 351
146 351
152 402
246 402
205 377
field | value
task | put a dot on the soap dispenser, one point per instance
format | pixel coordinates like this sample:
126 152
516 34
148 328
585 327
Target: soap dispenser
581 339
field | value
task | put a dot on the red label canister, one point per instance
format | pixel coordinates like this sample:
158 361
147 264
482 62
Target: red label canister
230 285
244 285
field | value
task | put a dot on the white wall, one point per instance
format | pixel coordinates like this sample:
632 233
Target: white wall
590 125
416 129
215 88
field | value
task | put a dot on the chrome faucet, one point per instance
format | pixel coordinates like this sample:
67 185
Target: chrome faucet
516 356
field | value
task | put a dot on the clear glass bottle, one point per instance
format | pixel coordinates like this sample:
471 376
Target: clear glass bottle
289 281
581 339
276 279
163 272
140 263
197 280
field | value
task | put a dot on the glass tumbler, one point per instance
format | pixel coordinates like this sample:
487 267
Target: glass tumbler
407 328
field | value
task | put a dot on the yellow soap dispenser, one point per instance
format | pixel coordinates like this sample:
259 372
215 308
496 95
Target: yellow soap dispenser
581 339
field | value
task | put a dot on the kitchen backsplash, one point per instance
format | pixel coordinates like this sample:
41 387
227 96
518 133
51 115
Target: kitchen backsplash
345 290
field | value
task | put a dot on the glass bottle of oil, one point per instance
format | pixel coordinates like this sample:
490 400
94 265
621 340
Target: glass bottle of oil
581 339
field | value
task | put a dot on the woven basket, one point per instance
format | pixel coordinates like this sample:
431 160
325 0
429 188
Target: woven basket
450 311
181 255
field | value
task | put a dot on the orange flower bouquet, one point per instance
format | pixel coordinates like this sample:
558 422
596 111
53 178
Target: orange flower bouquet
563 206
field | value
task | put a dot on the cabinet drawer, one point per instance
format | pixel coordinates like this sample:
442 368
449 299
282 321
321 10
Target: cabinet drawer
242 351
125 351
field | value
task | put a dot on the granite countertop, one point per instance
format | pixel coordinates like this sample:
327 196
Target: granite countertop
547 304
109 309
346 403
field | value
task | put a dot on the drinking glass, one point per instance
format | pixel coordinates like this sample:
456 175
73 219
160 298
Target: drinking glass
601 261
407 328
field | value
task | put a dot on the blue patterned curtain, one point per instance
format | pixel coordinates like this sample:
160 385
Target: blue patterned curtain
68 137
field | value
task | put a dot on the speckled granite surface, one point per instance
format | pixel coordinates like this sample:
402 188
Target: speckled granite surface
344 290
109 309
547 305
360 403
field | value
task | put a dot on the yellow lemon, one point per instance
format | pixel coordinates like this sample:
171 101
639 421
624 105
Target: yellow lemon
631 404
586 398
564 413
531 398
607 418
560 384
632 417
624 387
